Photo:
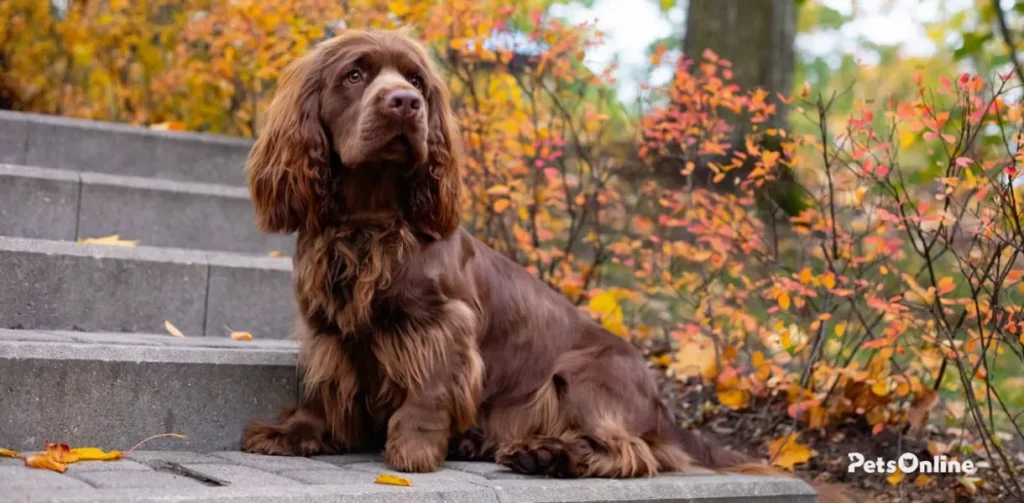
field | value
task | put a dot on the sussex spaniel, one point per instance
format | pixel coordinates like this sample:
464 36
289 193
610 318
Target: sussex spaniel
417 338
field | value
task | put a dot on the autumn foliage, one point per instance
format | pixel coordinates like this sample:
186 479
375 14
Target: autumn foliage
895 297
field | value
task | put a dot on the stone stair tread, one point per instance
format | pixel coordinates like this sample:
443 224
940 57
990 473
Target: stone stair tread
59 285
61 204
107 147
236 476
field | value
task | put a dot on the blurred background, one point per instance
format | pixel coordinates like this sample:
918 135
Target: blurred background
807 213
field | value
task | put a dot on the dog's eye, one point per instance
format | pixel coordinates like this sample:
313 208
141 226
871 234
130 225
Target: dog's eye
354 76
416 81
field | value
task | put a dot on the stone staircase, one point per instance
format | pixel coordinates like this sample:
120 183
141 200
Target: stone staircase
85 358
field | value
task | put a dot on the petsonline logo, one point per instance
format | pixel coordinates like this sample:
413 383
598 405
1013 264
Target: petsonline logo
909 463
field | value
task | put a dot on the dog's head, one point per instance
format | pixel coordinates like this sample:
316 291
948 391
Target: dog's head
362 102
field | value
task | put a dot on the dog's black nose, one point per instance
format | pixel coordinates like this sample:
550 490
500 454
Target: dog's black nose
403 103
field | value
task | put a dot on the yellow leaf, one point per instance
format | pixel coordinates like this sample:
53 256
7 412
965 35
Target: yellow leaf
880 388
829 280
112 240
500 205
7 453
840 329
896 477
95 454
171 329
735 399
806 276
784 301
498 190
787 452
399 7
786 339
392 480
276 254
923 480
757 358
241 336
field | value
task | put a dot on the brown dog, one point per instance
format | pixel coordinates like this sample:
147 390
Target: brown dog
417 338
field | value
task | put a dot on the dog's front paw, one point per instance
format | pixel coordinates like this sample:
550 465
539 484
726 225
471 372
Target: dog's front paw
414 455
274 440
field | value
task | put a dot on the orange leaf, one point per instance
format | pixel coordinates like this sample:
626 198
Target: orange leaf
392 480
7 453
241 336
41 460
276 254
923 480
924 402
896 477
500 205
60 453
169 126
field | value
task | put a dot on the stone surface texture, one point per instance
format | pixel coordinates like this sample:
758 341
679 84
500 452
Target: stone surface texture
235 476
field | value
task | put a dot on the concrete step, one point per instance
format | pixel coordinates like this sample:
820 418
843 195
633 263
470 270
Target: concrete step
113 390
236 476
56 285
67 205
106 147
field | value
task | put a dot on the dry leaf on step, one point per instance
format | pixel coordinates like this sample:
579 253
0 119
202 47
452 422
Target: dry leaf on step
173 330
241 336
7 453
787 452
111 240
276 254
169 126
41 460
95 454
392 480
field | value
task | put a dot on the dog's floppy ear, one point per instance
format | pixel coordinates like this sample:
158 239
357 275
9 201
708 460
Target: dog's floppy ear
435 190
292 153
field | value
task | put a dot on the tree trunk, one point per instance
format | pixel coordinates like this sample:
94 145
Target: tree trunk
755 35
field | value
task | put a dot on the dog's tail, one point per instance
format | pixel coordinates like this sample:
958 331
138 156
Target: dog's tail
707 454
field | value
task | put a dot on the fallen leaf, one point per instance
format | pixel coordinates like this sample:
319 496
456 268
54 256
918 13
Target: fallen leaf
60 453
111 240
392 480
896 477
95 454
43 461
276 254
7 453
923 480
735 399
173 330
241 336
786 452
970 484
169 126
924 402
